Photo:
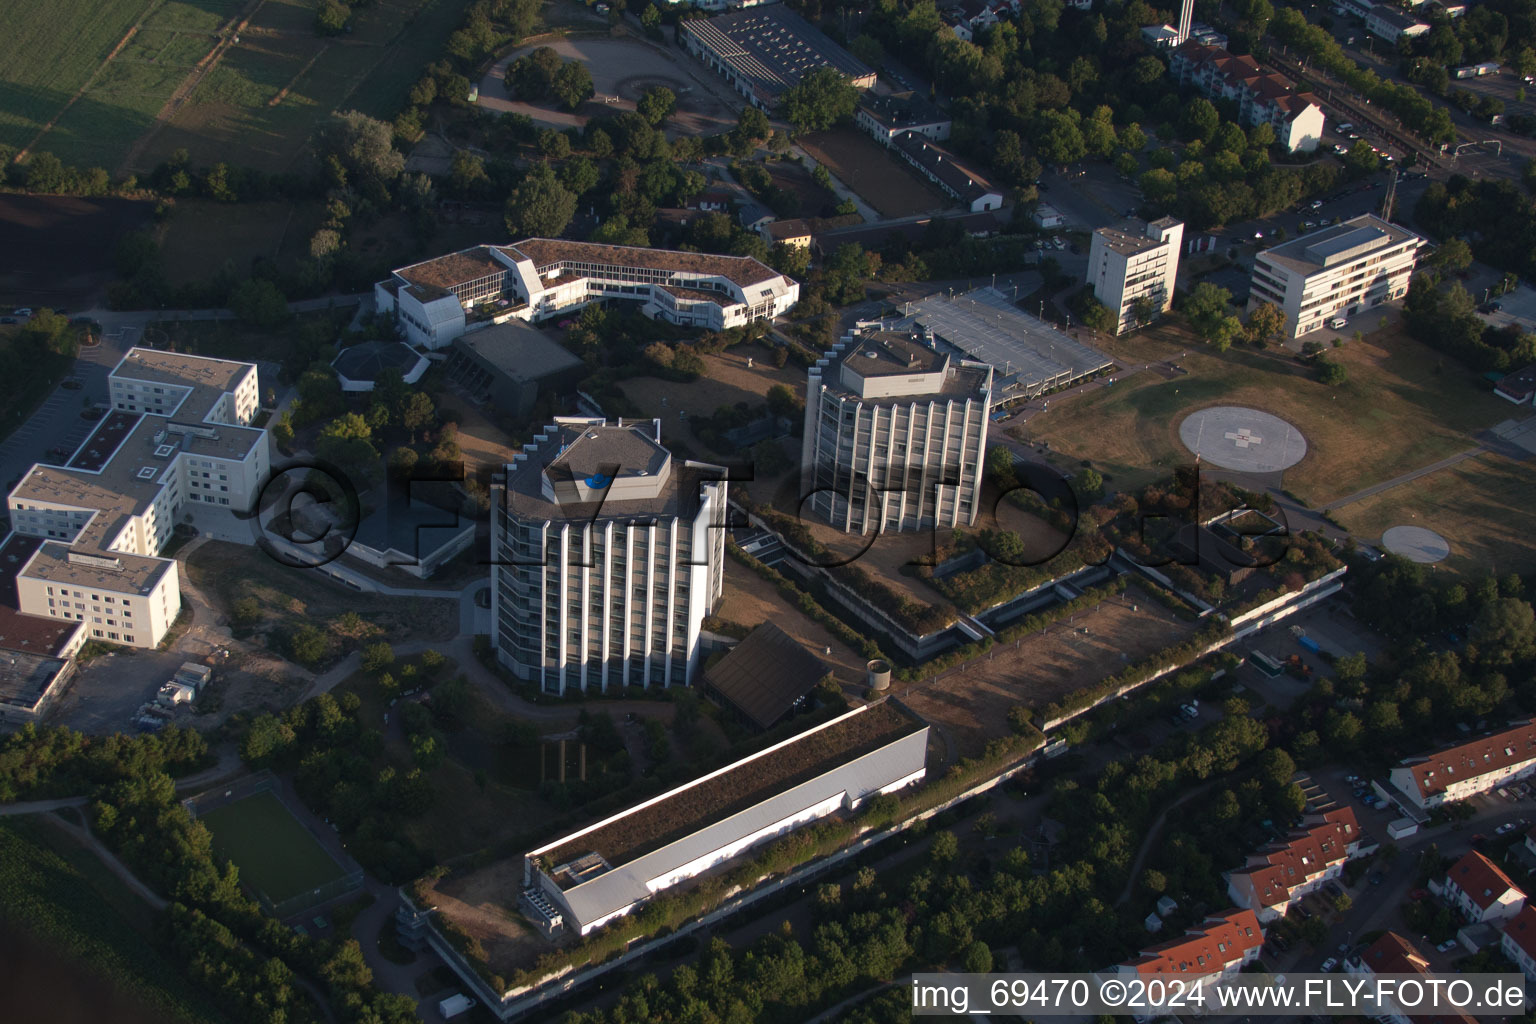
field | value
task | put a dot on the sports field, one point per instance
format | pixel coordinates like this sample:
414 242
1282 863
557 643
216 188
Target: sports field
1402 407
275 855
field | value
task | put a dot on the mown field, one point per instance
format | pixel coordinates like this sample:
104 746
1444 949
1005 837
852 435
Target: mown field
75 952
64 47
259 106
1402 407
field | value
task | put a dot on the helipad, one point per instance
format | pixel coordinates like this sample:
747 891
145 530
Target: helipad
1246 440
1416 544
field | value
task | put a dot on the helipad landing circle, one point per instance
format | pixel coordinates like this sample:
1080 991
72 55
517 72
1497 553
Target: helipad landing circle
1246 440
1416 544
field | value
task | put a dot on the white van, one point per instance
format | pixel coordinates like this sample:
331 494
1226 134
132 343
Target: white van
1338 323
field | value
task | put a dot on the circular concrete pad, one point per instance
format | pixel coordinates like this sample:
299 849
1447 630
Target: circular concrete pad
1416 544
1246 440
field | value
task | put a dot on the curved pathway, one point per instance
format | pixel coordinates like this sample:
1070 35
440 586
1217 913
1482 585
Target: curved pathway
1152 836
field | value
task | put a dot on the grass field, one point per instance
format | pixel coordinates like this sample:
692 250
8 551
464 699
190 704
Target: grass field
1482 506
74 951
1401 408
274 853
121 61
261 104
55 50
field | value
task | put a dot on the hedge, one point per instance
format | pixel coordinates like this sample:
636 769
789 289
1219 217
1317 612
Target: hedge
1138 672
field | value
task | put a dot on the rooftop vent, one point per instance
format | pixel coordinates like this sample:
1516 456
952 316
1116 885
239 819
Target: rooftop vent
95 561
147 473
165 451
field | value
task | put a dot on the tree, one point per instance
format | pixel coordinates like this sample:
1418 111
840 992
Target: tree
753 124
540 206
1453 255
580 175
1143 310
1265 323
1331 372
656 104
1089 483
377 657
820 100
259 303
417 413
572 85
1207 310
1361 160
1199 119
362 145
307 645
331 17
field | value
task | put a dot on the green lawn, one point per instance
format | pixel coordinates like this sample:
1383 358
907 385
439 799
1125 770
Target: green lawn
54 49
79 919
274 853
1402 407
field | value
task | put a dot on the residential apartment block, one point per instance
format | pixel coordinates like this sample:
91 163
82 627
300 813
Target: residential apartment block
1478 888
440 299
1262 97
1336 272
1518 941
1393 954
1124 268
895 431
1220 945
608 553
1278 875
1468 768
179 433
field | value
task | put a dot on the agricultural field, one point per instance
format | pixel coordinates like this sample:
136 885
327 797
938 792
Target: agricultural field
274 853
1402 407
99 73
267 94
69 940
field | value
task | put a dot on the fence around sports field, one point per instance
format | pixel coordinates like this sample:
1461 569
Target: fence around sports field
350 879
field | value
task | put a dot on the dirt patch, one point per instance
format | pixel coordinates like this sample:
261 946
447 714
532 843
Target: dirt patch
790 176
969 704
728 380
865 166
477 904
749 601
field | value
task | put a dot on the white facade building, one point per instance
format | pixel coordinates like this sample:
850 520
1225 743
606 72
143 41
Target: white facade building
1518 941
1468 768
1391 24
608 555
540 278
1279 875
1335 272
1262 97
179 433
895 432
612 867
1123 268
1478 888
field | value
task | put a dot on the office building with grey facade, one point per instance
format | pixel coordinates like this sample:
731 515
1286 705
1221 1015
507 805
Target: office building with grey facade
608 553
895 429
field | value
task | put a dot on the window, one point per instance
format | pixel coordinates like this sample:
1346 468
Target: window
128 638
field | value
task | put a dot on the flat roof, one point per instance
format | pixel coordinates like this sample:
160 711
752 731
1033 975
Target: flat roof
25 678
1028 354
773 47
891 354
518 350
1126 243
903 110
633 452
411 526
548 252
97 449
112 570
1337 244
161 367
765 674
34 634
455 268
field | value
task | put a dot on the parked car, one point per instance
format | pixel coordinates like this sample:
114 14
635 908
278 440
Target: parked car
1329 964
1353 778
1446 946
1479 839
1505 829
1303 913
1317 204
24 311
72 384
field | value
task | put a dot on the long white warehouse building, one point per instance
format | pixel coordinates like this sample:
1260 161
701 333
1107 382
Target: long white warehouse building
584 880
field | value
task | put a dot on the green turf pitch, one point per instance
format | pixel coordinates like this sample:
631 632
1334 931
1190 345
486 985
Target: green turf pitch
274 853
